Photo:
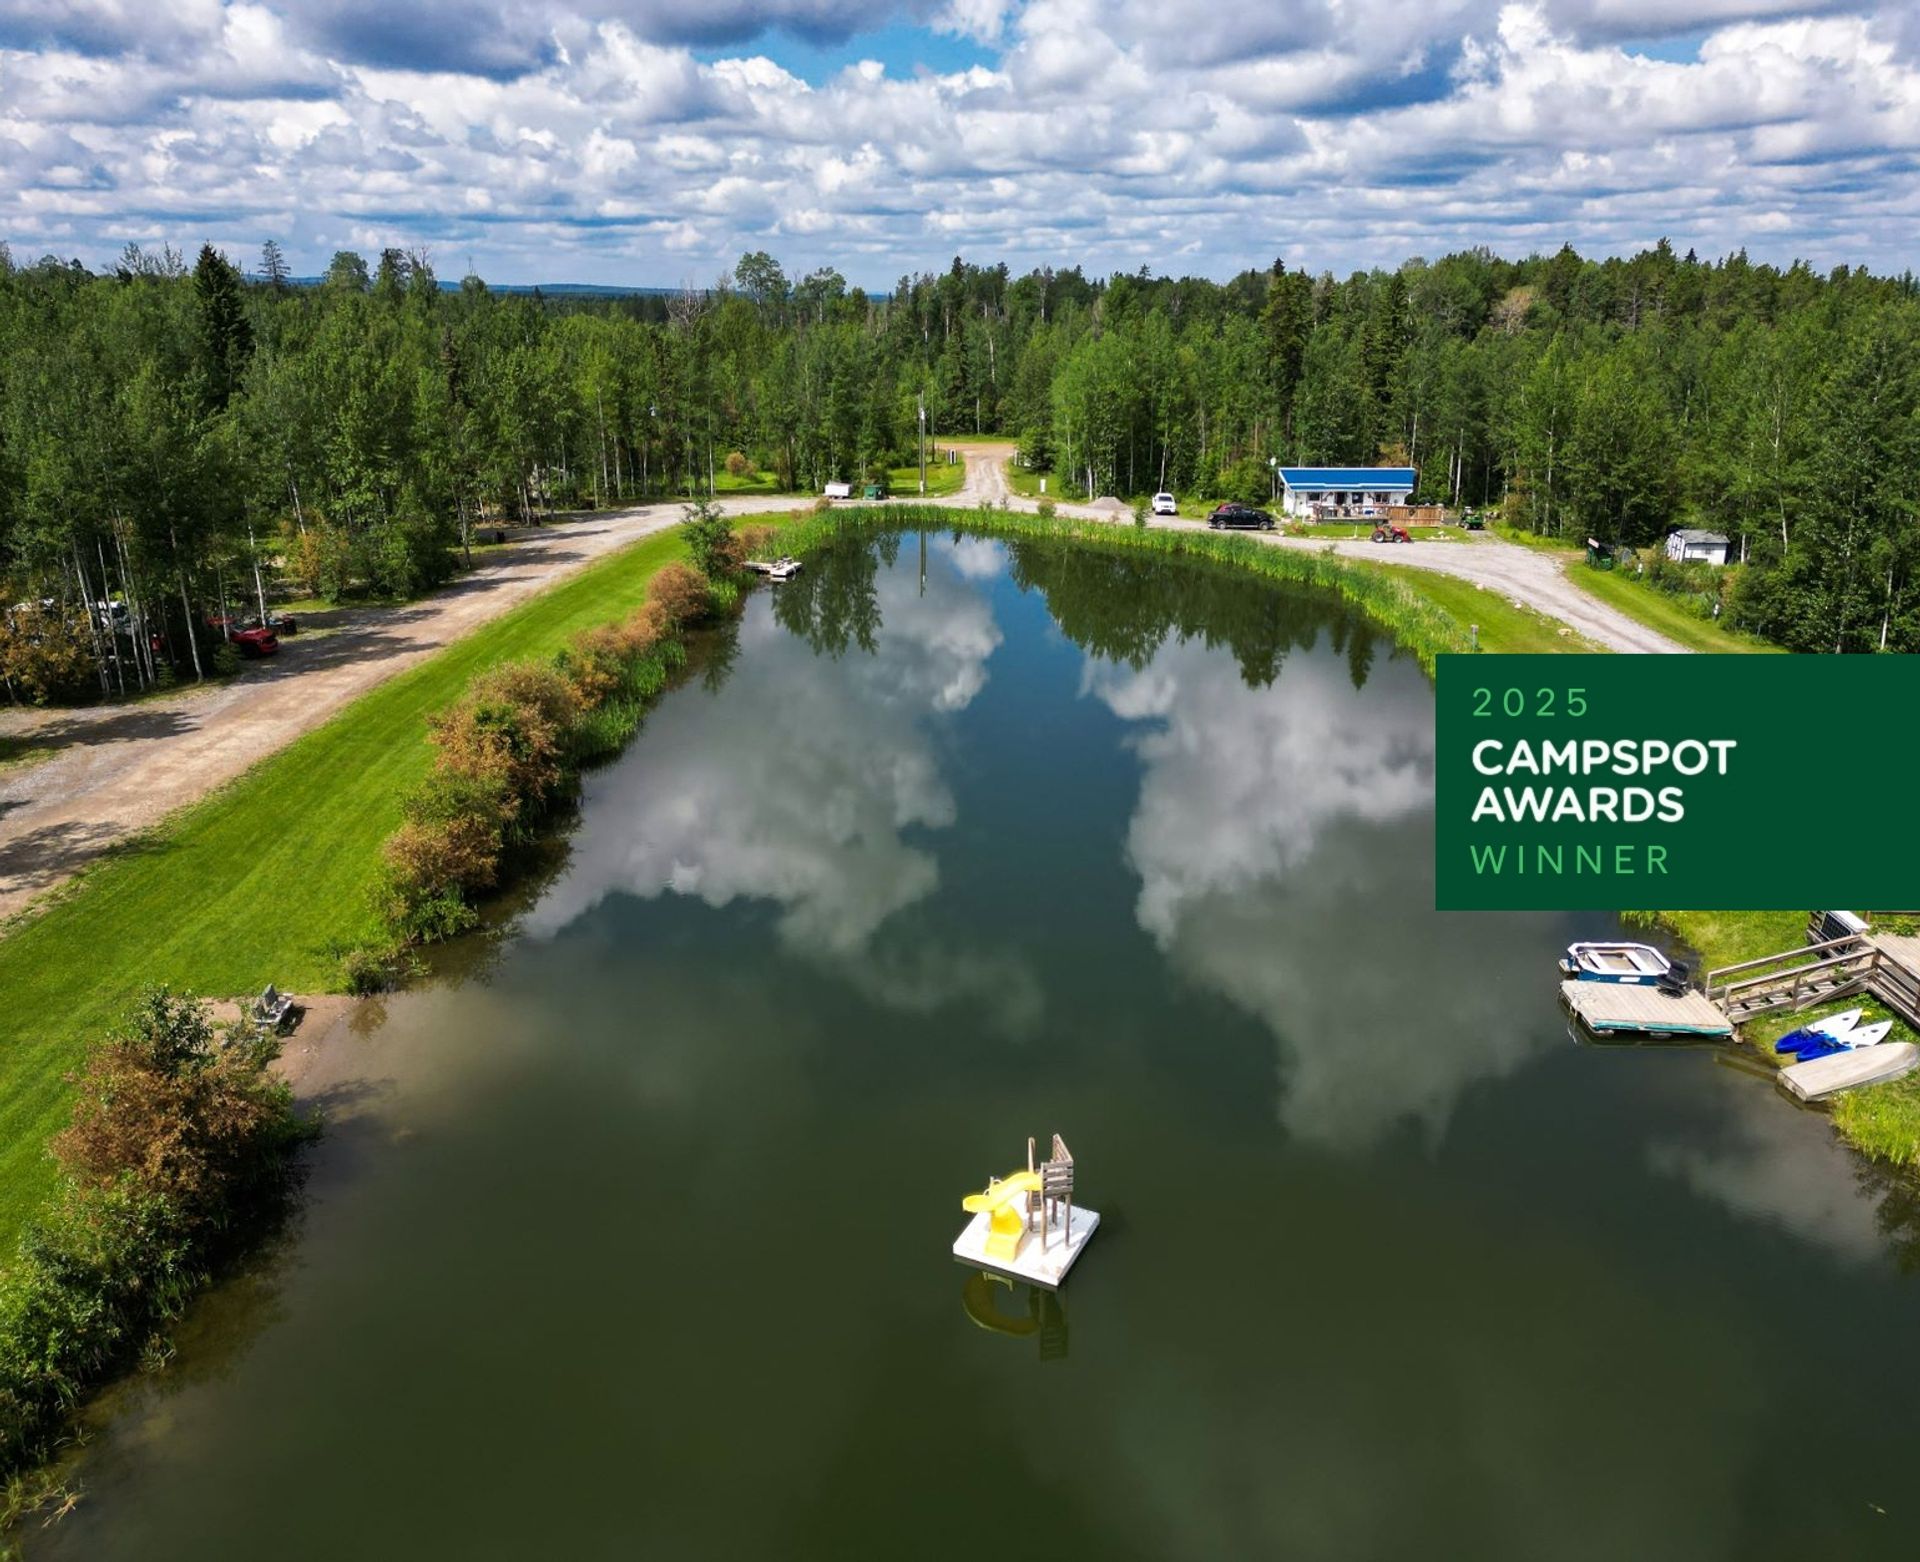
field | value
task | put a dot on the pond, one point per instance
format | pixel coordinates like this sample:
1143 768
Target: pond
635 1240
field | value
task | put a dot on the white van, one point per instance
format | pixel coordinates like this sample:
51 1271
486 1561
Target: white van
1163 505
839 490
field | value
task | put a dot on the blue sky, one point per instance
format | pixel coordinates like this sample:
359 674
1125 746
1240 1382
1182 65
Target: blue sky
649 142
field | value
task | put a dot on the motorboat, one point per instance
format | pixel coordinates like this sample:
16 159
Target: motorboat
1833 1028
1630 964
783 569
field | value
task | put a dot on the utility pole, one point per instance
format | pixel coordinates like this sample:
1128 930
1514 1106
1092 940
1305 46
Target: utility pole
920 442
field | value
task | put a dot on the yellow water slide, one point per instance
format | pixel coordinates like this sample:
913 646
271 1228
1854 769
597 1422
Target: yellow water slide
1005 1203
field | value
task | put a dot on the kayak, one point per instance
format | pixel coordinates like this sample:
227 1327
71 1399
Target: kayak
1832 1028
1855 1040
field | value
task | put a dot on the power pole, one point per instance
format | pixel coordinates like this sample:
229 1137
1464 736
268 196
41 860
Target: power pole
920 442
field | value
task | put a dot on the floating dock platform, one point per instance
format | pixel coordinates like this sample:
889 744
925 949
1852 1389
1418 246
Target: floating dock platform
1041 1264
1607 1008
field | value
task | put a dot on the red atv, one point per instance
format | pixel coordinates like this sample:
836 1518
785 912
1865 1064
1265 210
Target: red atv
1386 533
248 641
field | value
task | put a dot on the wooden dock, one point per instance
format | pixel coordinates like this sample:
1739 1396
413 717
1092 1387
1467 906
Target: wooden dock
1619 1007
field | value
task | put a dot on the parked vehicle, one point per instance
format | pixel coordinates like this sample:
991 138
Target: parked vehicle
876 490
1385 533
1474 521
254 642
249 639
1163 505
838 491
1240 517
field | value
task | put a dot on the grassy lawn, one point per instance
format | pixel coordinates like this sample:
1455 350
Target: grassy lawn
267 880
943 477
1728 937
1503 627
724 482
1520 537
1668 615
1027 483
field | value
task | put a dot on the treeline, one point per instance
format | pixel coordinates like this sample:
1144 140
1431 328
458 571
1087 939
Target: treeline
172 438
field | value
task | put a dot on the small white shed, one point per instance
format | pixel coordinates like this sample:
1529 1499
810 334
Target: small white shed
1692 546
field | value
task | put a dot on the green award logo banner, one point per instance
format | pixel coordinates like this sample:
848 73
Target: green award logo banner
1739 783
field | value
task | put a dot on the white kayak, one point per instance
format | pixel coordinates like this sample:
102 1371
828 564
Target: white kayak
1837 1025
1867 1035
1845 1070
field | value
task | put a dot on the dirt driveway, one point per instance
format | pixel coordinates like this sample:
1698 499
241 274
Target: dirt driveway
119 769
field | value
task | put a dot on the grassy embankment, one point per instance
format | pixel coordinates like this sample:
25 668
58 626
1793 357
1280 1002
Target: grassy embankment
1882 1121
1504 624
267 880
1657 610
1427 622
1667 614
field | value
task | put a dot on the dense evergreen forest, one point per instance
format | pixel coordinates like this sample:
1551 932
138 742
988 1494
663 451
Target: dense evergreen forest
175 439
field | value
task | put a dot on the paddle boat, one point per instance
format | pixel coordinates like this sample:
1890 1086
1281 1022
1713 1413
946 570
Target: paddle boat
1629 964
1832 1028
1856 1040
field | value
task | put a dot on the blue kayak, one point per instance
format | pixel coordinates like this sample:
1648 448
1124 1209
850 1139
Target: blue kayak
1825 1037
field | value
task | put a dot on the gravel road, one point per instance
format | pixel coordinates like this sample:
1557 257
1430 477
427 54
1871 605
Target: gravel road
118 769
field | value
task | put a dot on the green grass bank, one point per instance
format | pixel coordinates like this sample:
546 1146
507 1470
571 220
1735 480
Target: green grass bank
266 880
1428 614
1667 614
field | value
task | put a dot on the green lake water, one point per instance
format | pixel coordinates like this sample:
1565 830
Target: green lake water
632 1240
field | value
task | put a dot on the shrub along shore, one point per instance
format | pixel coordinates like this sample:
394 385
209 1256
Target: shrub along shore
177 1155
272 878
512 749
178 1151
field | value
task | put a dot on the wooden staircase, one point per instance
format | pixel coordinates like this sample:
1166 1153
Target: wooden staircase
1824 969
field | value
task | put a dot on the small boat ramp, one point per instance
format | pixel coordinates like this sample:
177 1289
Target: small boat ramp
1607 1008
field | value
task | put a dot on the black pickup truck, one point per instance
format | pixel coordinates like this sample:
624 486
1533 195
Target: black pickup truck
1240 517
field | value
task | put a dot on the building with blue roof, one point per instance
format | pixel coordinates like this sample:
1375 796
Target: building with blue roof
1333 492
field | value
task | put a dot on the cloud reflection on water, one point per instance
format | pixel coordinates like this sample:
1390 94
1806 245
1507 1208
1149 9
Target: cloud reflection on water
801 790
1284 844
